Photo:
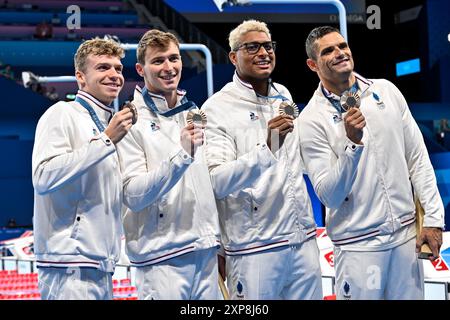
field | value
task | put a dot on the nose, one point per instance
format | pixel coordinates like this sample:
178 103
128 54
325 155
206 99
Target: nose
339 51
115 75
262 52
167 65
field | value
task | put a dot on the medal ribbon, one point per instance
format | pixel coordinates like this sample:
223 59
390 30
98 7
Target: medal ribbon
278 96
185 105
91 111
336 103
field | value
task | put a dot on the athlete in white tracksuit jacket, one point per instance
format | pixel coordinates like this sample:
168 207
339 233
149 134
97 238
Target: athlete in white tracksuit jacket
367 186
171 224
77 181
267 224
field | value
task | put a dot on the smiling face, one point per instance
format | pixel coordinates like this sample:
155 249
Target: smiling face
333 61
257 66
102 77
162 69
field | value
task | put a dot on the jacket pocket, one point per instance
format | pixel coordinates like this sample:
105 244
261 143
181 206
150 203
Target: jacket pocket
239 219
149 219
76 224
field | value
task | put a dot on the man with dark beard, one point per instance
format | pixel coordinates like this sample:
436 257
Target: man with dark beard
362 151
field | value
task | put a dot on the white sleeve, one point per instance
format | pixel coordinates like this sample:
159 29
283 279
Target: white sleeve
332 182
420 168
55 162
143 186
230 173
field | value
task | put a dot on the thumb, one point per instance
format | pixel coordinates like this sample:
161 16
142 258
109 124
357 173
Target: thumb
419 243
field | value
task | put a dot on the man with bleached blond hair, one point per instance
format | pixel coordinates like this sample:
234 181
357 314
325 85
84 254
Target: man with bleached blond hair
253 154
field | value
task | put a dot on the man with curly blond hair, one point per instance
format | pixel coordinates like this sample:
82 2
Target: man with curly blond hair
77 181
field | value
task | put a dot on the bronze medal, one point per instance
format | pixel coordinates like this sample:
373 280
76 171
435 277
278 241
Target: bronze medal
197 117
290 109
350 100
133 110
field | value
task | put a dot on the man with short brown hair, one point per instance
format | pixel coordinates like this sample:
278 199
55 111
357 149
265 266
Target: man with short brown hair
171 224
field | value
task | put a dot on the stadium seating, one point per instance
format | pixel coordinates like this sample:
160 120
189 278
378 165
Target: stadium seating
15 286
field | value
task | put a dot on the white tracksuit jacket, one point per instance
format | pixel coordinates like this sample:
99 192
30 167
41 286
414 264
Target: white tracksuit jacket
170 198
262 199
368 188
78 189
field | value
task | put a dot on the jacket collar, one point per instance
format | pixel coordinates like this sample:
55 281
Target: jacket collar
363 83
248 93
103 111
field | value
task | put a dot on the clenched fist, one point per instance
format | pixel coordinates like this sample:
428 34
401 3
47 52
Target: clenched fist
119 125
277 130
191 138
354 123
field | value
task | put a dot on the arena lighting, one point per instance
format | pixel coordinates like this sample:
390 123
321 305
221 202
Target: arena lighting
407 67
71 96
229 3
337 3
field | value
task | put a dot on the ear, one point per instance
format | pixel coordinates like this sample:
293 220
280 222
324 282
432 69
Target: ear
139 69
80 78
233 58
312 64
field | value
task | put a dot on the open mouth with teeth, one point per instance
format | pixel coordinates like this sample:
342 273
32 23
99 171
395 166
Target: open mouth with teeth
262 63
168 77
112 85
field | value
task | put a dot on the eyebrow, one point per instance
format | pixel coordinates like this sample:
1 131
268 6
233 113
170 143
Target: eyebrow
166 57
327 49
107 64
259 42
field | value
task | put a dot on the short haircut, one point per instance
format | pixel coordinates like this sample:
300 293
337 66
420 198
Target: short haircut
315 34
247 26
154 38
97 47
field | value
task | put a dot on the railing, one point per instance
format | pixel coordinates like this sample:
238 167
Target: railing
133 46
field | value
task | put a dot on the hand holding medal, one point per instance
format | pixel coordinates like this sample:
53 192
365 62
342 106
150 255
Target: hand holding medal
350 99
133 110
196 117
290 109
354 120
120 124
192 136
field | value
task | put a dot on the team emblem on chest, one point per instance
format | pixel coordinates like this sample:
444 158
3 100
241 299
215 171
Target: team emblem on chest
154 126
253 116
377 98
